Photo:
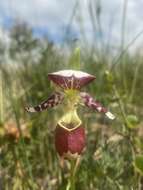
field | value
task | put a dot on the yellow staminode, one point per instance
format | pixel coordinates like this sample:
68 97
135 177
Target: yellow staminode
72 97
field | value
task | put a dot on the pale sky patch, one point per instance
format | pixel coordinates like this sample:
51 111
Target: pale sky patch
53 17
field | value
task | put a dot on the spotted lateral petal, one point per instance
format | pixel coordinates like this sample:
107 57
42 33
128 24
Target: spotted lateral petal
71 79
95 105
52 101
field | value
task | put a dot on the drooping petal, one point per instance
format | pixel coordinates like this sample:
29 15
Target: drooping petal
52 101
71 79
95 105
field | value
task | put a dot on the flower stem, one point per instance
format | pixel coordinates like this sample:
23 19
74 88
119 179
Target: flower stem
73 170
72 176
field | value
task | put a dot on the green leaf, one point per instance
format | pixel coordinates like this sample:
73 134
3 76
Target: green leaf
138 142
74 62
109 76
138 163
132 121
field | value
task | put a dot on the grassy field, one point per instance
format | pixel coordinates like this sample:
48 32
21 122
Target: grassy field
113 159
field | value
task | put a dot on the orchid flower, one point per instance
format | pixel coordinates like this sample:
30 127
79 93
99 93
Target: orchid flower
70 133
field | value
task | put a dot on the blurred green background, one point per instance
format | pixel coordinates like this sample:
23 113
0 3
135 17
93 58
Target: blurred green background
114 154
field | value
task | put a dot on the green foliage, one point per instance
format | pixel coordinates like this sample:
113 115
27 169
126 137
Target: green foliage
31 162
74 61
139 163
132 121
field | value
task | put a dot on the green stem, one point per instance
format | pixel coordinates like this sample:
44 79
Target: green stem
73 170
1 99
72 175
120 103
133 88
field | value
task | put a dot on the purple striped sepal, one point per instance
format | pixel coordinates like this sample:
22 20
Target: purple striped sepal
71 79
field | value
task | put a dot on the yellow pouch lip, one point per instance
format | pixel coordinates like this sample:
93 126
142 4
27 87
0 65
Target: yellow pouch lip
68 118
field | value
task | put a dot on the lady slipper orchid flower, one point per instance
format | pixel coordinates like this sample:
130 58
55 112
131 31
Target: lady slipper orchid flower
69 132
